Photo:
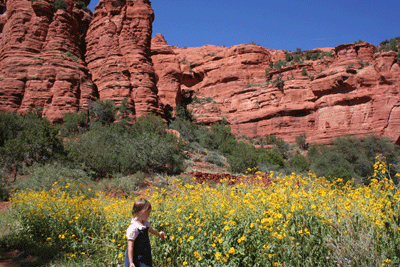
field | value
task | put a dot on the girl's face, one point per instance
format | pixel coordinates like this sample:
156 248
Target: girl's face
144 215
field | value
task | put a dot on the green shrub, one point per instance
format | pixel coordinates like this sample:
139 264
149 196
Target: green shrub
308 55
245 155
74 123
299 163
216 159
316 55
146 146
10 125
301 141
339 172
34 139
152 153
187 129
60 4
81 5
304 72
43 177
279 83
279 64
242 156
330 163
98 149
150 124
353 157
280 145
209 54
195 147
227 146
298 58
103 112
289 57
269 157
390 45
122 185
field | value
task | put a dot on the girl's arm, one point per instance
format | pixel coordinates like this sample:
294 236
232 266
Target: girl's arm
159 234
130 253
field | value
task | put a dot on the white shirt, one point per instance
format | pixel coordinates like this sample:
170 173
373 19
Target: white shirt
133 229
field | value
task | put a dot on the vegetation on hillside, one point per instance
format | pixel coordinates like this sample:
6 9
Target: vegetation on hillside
102 143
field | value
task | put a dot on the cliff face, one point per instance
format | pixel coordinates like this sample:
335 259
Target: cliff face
168 73
41 62
64 58
118 54
355 92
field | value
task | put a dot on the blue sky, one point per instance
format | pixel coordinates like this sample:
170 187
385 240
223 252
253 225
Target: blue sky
279 24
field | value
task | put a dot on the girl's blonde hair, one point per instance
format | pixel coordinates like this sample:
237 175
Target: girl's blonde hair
140 205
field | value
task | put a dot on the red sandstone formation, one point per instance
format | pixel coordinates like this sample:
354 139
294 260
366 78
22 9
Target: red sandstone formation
41 62
168 72
118 54
356 92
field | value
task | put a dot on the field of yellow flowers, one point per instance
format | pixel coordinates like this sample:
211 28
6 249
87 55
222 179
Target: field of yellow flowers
298 220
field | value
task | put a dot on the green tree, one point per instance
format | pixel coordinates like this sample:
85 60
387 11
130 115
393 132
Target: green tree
103 112
74 123
32 139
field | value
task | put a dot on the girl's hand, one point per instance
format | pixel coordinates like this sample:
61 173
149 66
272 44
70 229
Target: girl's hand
162 235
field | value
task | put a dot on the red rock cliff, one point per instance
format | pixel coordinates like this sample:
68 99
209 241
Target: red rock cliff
41 62
355 92
118 53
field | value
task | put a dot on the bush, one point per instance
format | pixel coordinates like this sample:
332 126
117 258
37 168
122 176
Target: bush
299 163
288 57
297 58
353 157
150 124
242 156
74 123
81 5
122 185
280 145
103 112
269 157
146 146
279 64
339 172
10 125
152 153
361 152
304 72
60 4
44 177
187 129
330 164
98 149
215 158
32 140
301 141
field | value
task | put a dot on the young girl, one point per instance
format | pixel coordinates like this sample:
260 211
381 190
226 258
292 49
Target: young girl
138 253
